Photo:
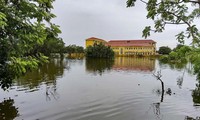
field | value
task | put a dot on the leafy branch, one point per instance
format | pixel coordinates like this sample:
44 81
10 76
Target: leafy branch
166 12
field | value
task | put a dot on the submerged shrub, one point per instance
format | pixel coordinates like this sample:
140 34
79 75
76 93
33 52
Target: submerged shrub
164 59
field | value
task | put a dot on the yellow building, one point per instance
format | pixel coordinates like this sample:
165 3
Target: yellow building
133 47
91 41
127 47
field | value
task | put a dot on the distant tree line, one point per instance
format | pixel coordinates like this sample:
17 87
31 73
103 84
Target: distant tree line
74 49
178 54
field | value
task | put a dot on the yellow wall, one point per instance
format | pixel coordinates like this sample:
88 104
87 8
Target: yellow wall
133 51
90 42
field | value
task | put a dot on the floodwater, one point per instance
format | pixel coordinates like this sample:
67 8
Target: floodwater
99 89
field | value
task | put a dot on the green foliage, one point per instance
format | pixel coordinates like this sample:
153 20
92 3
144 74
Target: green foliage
146 31
80 49
2 20
26 31
178 58
172 12
8 110
180 54
99 51
196 94
184 51
131 3
194 57
164 58
50 46
74 49
173 56
165 50
178 47
52 43
6 77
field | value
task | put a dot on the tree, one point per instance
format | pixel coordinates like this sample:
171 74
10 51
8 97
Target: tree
175 12
180 55
24 25
70 49
52 43
80 49
165 50
99 51
196 94
74 49
178 47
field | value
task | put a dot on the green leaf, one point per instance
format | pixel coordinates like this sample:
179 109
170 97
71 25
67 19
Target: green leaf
146 31
130 3
180 37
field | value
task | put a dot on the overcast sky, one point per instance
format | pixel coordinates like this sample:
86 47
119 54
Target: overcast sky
107 19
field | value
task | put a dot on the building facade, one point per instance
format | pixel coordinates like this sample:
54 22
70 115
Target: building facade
127 47
91 41
133 47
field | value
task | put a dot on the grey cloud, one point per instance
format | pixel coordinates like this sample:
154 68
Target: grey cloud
106 19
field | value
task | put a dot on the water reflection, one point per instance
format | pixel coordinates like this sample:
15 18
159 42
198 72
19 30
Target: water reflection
196 95
144 64
115 96
47 74
183 67
51 92
7 110
174 65
156 106
98 66
156 111
186 67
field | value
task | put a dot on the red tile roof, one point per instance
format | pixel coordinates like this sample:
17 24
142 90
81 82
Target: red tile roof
123 43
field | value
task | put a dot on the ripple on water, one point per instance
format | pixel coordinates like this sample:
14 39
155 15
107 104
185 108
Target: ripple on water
102 108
